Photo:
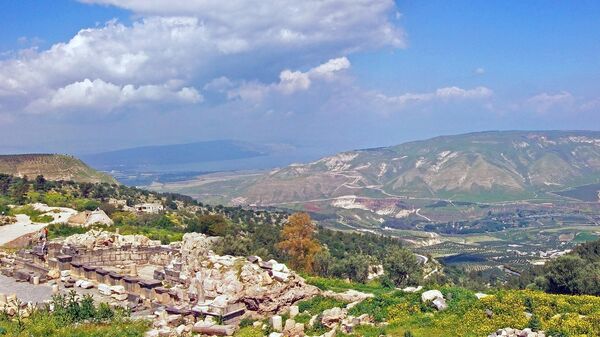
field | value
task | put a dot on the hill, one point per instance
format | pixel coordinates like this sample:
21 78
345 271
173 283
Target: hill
52 167
486 166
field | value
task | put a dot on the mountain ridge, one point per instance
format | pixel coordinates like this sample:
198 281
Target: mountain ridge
489 166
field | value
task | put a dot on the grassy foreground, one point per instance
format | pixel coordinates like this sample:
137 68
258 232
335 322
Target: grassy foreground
468 316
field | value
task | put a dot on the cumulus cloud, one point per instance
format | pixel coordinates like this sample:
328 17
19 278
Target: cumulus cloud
290 81
196 41
441 94
99 95
244 22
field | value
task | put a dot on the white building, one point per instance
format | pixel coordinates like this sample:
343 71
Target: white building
149 208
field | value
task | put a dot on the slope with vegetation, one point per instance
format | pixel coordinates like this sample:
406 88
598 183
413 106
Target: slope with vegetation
486 166
52 167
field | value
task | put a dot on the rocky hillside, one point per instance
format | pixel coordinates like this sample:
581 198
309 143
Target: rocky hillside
52 167
487 166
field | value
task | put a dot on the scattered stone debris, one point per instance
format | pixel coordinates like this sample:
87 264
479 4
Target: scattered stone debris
348 296
98 238
7 220
185 285
510 332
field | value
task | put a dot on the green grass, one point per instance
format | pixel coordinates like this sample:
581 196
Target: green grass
73 317
339 286
318 304
466 315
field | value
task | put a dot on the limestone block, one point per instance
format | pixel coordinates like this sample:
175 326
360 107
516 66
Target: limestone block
277 323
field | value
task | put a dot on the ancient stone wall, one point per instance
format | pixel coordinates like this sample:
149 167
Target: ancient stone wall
112 256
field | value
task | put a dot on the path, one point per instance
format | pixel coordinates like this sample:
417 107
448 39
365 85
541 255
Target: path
22 227
26 292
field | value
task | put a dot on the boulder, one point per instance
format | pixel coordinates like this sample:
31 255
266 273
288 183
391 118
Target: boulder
440 304
331 317
294 311
348 296
277 323
104 289
431 295
412 289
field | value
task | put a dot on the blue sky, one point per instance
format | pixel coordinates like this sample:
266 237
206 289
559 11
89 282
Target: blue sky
334 75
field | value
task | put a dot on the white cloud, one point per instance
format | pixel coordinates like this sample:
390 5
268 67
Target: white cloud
365 22
479 71
98 95
195 41
544 102
290 81
330 67
441 94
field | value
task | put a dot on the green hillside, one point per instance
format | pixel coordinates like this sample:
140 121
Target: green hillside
486 166
52 167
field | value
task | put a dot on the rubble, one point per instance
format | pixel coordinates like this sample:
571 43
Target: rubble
331 317
348 296
192 287
99 238
510 332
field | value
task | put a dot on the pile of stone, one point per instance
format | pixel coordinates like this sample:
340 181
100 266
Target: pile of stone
116 292
170 324
510 332
99 238
7 220
334 319
12 306
435 298
264 287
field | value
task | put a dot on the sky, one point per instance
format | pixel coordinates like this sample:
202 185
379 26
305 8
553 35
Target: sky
94 75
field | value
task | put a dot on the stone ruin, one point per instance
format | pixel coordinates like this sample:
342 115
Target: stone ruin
182 287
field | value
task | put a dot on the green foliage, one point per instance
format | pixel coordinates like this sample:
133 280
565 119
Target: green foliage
402 267
212 224
534 323
249 331
466 315
318 304
576 273
74 317
57 230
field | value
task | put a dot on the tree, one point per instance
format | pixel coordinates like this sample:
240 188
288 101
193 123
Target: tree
564 274
39 184
402 267
298 241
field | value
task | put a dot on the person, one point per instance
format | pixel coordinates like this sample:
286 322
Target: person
44 240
